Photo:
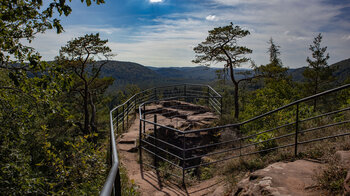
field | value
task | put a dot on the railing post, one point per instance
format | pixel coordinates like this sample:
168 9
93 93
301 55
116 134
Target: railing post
184 90
240 147
208 97
117 119
135 104
155 142
221 105
155 94
183 159
140 143
144 118
110 150
123 116
117 185
296 131
111 162
127 115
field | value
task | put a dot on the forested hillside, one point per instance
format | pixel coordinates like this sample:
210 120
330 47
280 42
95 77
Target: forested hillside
341 71
125 73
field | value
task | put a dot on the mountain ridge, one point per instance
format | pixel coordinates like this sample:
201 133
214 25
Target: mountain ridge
125 72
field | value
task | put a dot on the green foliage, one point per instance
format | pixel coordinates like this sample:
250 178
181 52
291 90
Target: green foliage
318 73
77 58
132 89
23 19
206 172
245 165
274 53
128 186
265 142
274 71
332 178
221 47
41 152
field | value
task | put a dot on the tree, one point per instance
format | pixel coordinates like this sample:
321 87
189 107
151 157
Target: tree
318 72
274 70
274 51
221 46
78 58
23 19
32 116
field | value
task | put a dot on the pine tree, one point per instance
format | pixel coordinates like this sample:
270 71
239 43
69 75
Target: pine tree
221 46
318 72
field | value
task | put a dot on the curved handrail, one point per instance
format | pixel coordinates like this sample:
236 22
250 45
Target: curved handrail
275 110
239 143
111 181
108 186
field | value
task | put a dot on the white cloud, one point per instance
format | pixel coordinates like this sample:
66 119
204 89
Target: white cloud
49 43
346 37
155 1
211 18
292 25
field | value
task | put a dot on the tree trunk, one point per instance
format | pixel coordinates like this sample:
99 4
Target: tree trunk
236 100
236 92
93 115
86 108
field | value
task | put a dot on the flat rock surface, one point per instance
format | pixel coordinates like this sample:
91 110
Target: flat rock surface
148 183
180 115
344 158
292 178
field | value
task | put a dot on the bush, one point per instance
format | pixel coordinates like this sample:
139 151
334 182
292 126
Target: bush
332 178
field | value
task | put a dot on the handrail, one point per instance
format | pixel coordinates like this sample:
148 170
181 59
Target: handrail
298 101
291 129
108 186
150 95
275 110
113 179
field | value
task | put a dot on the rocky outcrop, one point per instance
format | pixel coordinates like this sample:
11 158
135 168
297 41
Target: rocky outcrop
292 178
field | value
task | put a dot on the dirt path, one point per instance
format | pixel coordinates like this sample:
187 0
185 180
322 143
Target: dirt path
149 184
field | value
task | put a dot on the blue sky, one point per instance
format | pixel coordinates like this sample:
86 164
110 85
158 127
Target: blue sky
163 33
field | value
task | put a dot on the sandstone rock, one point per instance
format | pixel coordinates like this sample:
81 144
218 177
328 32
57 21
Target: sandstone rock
219 191
293 178
344 158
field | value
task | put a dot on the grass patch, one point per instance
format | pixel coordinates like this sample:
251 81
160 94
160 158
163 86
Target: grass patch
128 186
332 178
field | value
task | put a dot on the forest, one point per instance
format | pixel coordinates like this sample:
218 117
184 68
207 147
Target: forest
54 115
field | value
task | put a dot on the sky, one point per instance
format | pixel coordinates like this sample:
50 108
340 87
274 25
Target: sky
163 33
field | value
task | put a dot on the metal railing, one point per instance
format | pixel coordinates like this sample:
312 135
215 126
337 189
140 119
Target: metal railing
121 116
290 126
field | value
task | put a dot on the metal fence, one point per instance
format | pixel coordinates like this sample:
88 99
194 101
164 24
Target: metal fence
290 126
121 116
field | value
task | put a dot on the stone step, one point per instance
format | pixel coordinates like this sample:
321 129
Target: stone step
127 142
128 147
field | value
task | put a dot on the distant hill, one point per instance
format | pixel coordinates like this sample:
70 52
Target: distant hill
133 73
129 73
342 71
195 73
